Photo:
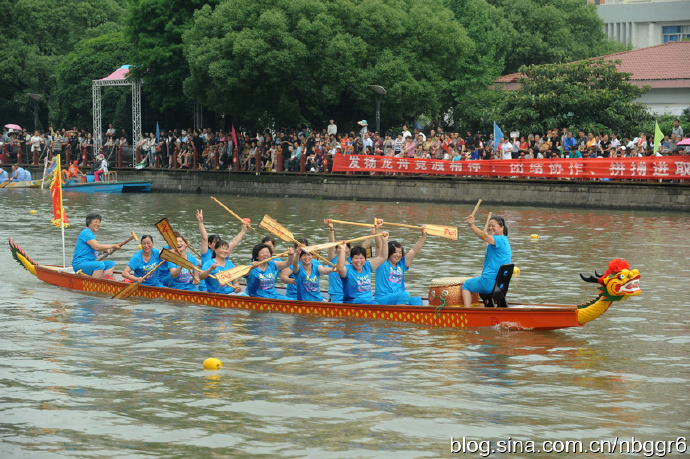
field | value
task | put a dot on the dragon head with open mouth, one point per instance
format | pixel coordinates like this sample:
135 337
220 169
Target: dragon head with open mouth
618 283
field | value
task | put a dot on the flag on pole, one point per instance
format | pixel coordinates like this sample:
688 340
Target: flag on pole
59 217
234 137
158 133
658 137
498 136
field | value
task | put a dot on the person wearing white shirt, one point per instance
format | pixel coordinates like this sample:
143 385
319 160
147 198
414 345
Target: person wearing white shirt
332 128
506 149
406 133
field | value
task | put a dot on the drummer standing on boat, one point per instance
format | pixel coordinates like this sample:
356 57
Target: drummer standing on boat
498 252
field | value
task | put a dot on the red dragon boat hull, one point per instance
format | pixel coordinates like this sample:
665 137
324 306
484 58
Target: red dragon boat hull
516 316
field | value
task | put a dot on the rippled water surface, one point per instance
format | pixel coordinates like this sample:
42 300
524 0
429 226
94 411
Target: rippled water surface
87 376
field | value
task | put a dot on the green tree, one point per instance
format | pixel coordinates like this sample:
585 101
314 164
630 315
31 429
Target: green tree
35 35
590 94
155 29
303 61
91 59
553 31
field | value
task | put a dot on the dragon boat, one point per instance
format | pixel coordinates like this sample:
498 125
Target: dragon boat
618 283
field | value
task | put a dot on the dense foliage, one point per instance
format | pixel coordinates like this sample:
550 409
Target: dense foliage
287 62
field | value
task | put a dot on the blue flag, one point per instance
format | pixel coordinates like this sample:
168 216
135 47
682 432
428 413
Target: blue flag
158 133
498 136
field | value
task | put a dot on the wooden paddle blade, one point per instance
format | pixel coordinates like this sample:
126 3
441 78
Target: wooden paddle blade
275 228
163 226
179 260
225 277
449 232
127 291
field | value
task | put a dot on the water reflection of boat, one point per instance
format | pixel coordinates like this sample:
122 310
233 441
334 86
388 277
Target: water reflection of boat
617 285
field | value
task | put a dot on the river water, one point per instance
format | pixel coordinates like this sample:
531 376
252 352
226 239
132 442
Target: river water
87 376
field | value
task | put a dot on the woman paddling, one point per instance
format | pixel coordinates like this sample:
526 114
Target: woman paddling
88 248
356 276
261 281
390 276
142 262
498 252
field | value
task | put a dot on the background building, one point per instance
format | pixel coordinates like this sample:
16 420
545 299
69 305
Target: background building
643 23
664 68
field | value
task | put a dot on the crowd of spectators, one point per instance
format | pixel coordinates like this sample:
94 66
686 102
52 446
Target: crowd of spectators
208 149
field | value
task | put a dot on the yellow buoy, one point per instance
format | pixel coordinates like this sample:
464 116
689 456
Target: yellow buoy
139 247
534 236
516 270
212 364
32 212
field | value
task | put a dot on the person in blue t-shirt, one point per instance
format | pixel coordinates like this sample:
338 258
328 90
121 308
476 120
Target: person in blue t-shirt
261 280
180 277
287 275
356 276
390 276
143 262
219 263
87 249
4 176
307 272
498 252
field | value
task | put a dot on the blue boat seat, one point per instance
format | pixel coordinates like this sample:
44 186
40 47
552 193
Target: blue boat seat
505 273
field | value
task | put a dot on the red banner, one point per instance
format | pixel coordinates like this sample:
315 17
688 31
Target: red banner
650 167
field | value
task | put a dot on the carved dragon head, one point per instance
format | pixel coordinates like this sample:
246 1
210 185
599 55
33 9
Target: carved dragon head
618 282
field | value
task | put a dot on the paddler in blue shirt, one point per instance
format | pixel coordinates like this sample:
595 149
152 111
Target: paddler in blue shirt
356 276
390 276
498 252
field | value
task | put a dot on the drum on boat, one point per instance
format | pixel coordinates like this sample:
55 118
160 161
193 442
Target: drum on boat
448 291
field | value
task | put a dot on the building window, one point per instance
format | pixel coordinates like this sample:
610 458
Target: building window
675 33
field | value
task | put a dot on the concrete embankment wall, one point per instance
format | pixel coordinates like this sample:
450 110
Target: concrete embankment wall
567 193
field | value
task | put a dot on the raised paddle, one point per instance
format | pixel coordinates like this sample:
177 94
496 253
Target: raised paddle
488 219
131 288
169 255
448 232
235 215
328 245
106 254
476 207
278 230
163 227
225 277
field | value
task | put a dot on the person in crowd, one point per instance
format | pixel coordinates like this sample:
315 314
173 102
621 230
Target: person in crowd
87 249
498 252
677 129
390 276
261 281
356 276
143 262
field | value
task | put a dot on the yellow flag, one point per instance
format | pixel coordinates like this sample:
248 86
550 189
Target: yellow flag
658 137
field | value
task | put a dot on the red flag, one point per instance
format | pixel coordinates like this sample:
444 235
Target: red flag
59 216
234 136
